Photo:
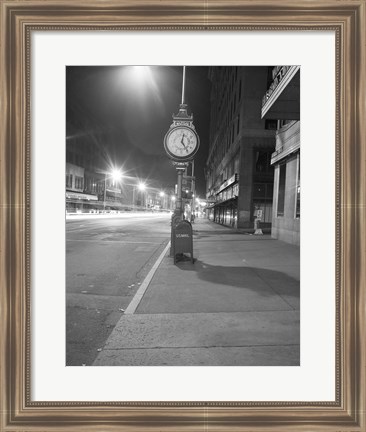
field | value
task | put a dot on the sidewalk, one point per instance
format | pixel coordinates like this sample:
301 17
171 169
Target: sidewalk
237 305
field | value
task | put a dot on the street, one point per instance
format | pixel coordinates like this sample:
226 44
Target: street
128 304
107 258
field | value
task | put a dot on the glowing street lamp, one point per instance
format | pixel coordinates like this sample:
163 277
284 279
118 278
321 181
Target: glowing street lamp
162 199
142 186
116 175
172 201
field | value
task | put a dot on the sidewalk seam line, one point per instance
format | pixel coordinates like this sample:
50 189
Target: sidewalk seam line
131 308
273 289
113 241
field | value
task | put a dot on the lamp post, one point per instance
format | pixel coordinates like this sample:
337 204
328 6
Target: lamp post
116 175
141 187
162 200
172 202
105 190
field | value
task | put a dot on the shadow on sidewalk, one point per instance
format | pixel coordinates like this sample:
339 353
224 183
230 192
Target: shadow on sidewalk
253 278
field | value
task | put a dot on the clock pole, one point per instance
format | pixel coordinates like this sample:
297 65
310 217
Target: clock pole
179 201
183 84
180 171
181 143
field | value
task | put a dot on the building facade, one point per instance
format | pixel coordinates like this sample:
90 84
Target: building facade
92 189
239 174
76 197
281 103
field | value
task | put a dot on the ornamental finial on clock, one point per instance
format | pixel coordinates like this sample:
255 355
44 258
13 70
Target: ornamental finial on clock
182 118
181 142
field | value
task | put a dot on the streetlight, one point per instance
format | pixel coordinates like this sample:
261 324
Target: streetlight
142 187
172 200
116 175
162 195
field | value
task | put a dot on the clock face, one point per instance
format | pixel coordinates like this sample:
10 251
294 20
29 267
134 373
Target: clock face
181 142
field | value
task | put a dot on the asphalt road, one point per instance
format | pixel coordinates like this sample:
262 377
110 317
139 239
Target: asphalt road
107 259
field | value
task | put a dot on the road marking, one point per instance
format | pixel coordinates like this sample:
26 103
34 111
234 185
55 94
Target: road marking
114 241
143 287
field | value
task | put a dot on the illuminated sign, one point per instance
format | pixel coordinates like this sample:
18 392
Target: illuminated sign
81 196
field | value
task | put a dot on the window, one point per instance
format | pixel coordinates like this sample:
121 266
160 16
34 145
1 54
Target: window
281 191
263 191
282 123
259 190
69 180
79 182
270 124
262 161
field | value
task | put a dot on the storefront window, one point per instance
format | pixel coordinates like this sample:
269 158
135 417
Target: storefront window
69 181
79 182
281 191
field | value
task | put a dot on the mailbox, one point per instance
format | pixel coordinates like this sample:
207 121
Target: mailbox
176 218
182 239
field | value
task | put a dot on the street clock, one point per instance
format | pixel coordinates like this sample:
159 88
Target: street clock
181 142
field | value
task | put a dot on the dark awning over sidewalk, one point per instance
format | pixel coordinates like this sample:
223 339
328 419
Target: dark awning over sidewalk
80 196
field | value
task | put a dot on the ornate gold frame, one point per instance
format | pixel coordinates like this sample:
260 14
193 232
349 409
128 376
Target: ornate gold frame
347 18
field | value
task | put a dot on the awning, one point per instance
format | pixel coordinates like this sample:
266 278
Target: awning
226 202
81 196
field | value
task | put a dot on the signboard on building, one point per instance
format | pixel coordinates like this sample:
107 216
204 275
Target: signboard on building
81 196
228 182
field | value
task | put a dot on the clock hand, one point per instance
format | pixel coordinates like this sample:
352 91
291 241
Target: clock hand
184 145
181 141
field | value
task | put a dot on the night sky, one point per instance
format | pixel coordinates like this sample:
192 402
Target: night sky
127 111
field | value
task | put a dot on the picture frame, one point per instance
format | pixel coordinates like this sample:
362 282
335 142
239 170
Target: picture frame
18 19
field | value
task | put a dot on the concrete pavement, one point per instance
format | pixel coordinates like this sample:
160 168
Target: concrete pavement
238 304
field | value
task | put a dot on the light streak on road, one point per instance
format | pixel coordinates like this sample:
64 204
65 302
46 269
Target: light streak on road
127 215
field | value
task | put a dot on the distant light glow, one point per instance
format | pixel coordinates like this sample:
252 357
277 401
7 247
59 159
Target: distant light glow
142 85
162 194
116 175
142 186
139 73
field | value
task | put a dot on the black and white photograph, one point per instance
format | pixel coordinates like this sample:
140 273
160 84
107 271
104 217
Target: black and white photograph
182 203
